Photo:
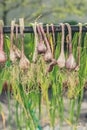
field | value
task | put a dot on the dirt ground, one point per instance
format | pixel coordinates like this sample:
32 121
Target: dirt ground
82 124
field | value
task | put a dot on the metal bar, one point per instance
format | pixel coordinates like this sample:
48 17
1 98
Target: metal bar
29 29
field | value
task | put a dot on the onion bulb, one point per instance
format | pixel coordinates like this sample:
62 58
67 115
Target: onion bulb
14 51
24 62
70 62
48 54
41 47
61 59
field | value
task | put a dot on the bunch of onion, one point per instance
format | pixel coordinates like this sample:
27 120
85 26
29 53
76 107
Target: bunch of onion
2 53
41 48
70 62
53 62
14 51
79 46
24 62
61 59
48 54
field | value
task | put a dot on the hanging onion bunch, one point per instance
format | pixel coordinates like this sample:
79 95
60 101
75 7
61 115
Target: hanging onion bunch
70 62
61 59
48 54
53 62
14 51
24 62
41 46
2 53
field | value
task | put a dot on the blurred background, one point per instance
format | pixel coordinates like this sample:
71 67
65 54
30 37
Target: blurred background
46 11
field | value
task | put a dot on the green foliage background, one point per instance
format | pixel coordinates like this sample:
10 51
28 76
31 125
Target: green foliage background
43 10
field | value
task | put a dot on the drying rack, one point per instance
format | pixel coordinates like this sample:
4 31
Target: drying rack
57 28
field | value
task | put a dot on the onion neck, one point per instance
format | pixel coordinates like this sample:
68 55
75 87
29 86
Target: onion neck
12 37
12 34
70 38
40 35
62 41
48 34
16 34
70 48
22 42
21 21
45 38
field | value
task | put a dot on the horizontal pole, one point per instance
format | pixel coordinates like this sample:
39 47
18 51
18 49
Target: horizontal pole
29 29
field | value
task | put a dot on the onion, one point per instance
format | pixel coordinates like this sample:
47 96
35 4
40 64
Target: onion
41 47
2 53
17 51
61 59
14 51
36 43
48 33
48 54
79 41
52 64
70 62
24 62
53 38
16 34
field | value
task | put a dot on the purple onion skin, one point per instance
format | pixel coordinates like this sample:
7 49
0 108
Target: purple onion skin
41 48
70 63
48 56
52 64
61 60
